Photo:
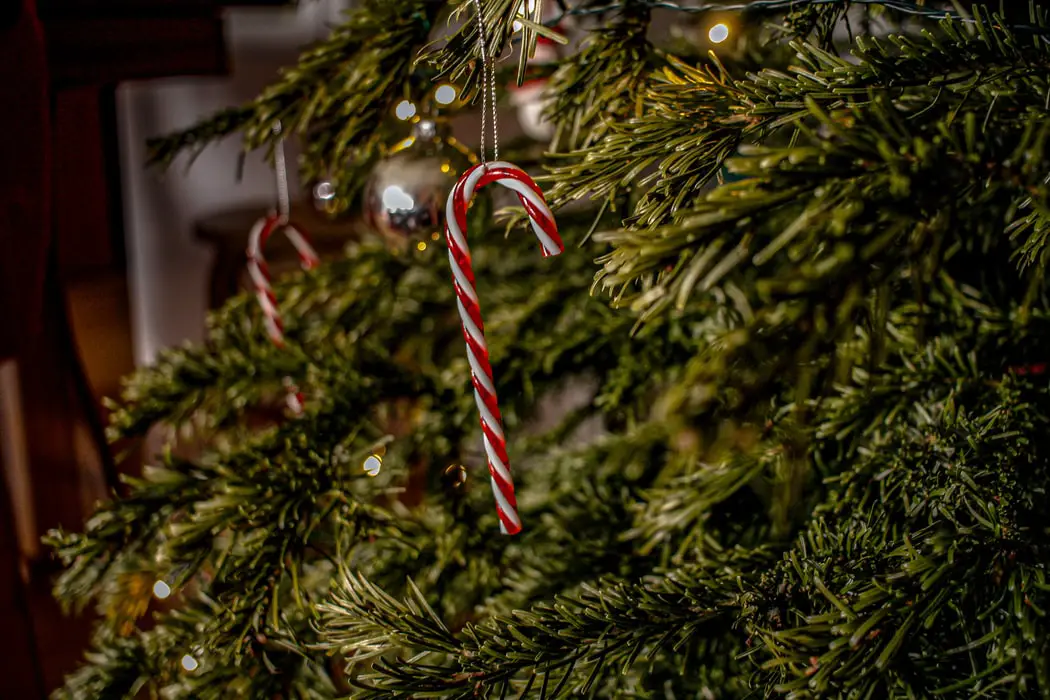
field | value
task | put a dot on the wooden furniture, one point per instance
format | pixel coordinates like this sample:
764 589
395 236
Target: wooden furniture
63 292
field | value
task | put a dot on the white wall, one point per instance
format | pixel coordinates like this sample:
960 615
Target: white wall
168 270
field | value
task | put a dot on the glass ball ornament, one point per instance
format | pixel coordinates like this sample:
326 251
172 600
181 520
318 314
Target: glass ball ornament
531 101
532 98
405 196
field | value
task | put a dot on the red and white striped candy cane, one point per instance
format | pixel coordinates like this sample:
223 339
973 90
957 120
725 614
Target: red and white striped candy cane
543 225
260 274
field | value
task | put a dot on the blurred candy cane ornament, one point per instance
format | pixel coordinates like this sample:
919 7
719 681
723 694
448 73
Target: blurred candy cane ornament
260 273
546 230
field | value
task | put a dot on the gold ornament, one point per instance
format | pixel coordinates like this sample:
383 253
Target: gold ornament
406 193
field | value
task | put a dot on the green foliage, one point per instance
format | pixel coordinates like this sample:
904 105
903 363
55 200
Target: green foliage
926 558
621 58
333 98
799 449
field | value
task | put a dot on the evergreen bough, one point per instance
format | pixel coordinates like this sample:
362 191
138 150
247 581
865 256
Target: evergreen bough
805 451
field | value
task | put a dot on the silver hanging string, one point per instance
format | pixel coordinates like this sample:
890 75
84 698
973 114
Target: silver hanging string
280 168
488 89
492 101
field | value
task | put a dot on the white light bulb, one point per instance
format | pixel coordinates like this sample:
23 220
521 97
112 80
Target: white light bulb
718 33
161 590
405 110
374 463
189 663
445 95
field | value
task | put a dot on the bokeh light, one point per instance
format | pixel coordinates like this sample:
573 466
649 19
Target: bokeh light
373 464
445 95
161 590
405 110
718 33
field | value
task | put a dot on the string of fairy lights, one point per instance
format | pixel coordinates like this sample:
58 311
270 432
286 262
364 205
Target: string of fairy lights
901 6
904 6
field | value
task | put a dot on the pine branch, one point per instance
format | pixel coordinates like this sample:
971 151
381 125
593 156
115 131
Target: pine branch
334 98
114 671
939 496
697 118
887 201
804 452
566 646
619 58
577 522
459 59
183 513
240 368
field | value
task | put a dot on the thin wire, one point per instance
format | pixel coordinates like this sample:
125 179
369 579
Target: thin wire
280 169
902 6
488 89
898 5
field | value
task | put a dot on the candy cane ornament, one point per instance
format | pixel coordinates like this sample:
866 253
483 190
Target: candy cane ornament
260 276
546 230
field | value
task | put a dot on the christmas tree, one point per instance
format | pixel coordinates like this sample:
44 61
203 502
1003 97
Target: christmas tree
778 415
